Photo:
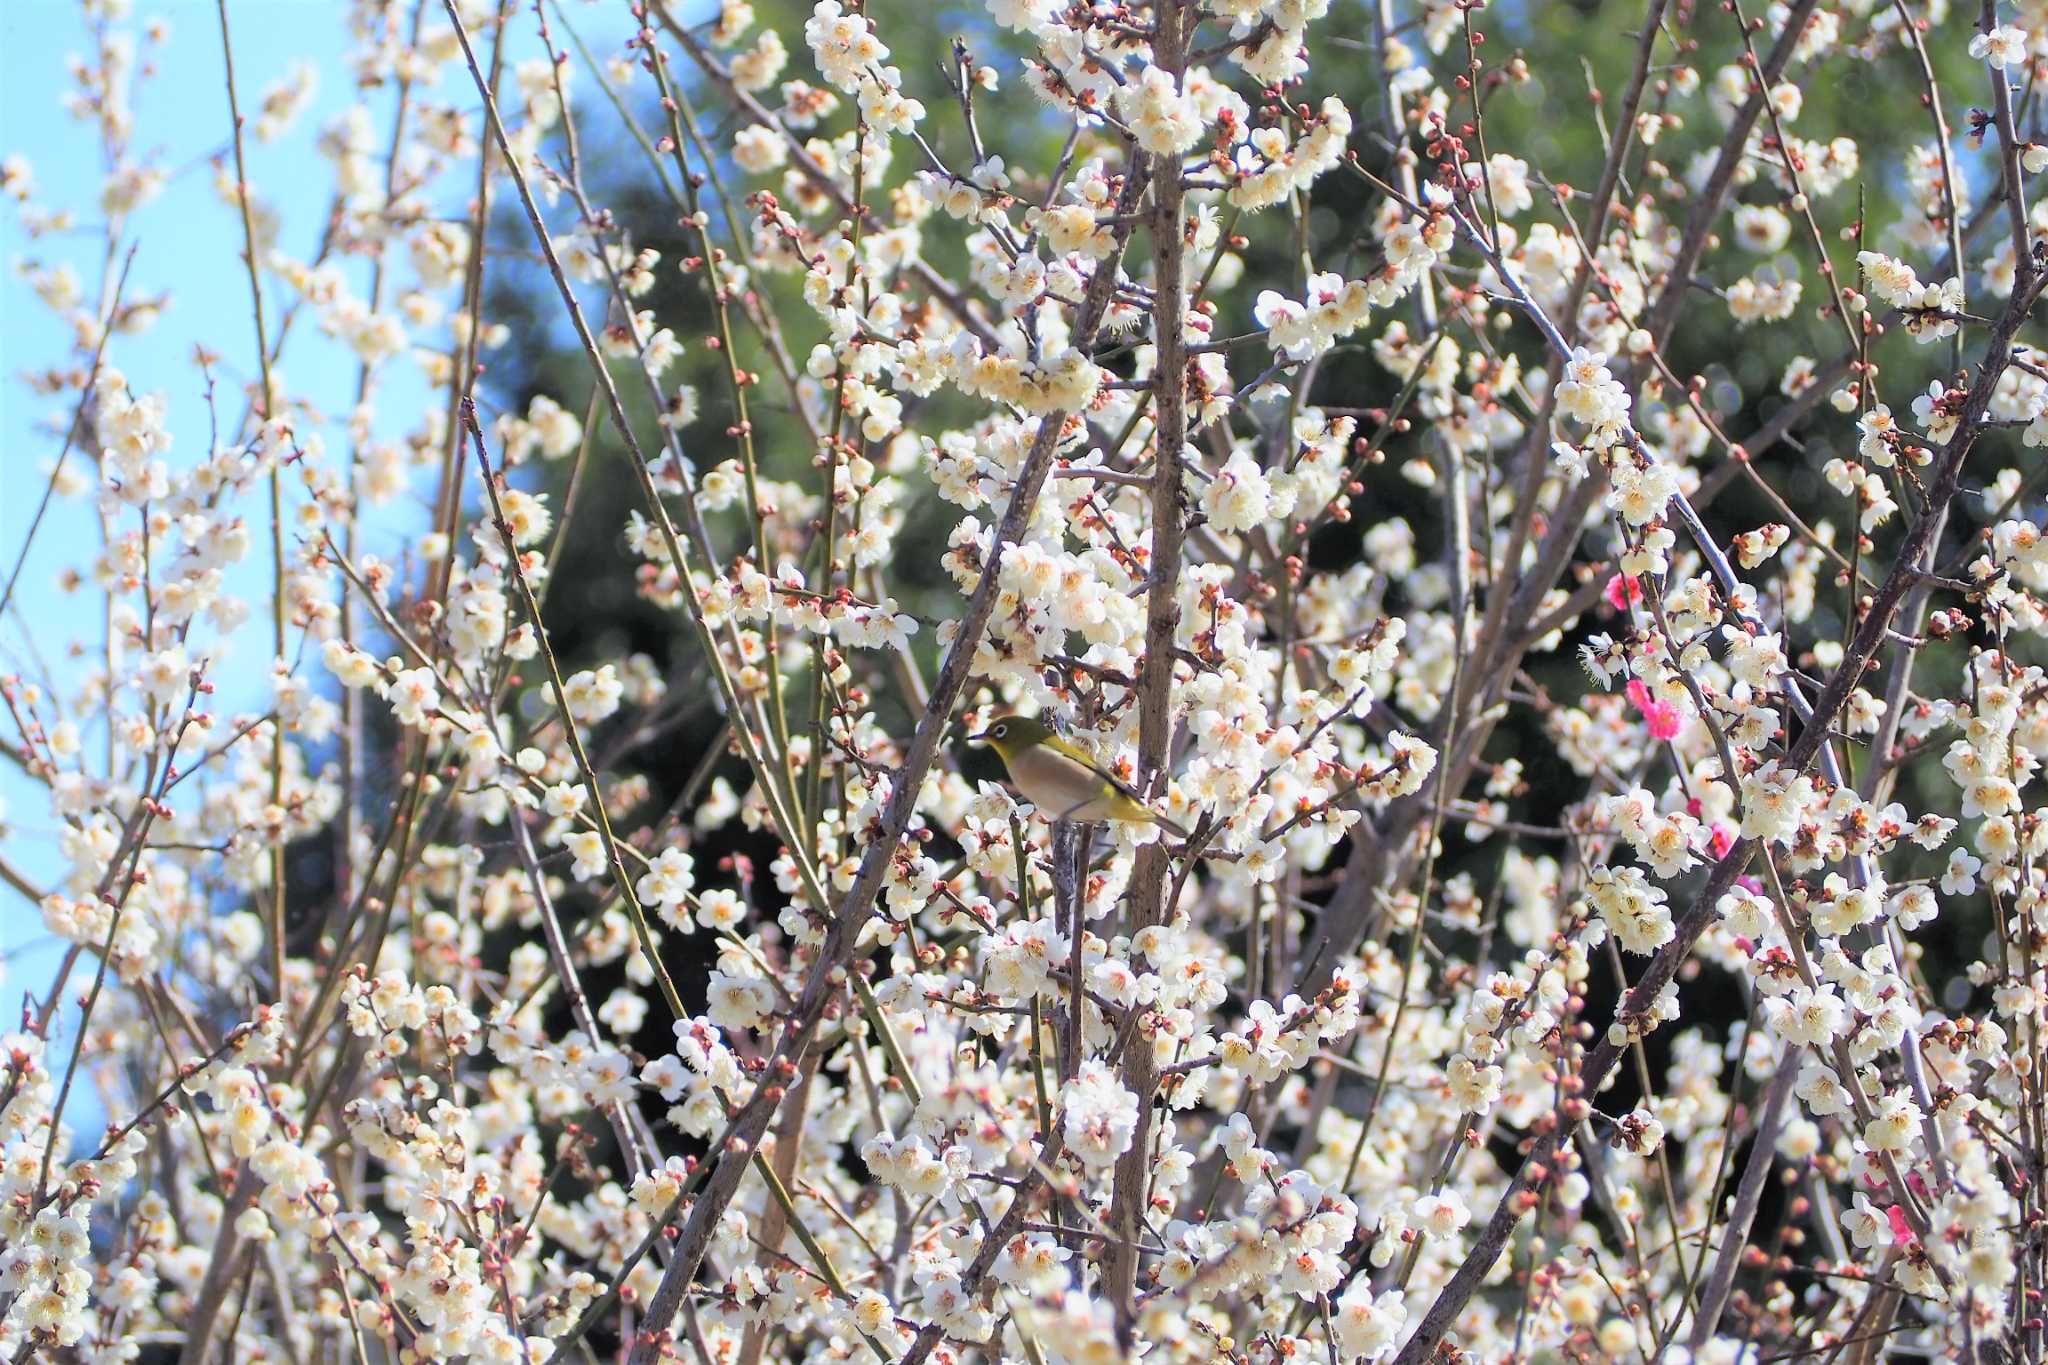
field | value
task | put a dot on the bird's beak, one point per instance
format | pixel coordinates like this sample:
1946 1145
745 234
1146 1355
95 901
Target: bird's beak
981 738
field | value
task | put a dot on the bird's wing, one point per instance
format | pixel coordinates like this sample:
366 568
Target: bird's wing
1067 749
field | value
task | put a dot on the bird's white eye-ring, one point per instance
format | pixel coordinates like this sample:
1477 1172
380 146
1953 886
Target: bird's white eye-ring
1002 728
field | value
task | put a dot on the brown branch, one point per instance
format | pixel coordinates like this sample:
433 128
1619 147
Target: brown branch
1748 1194
882 842
1132 1181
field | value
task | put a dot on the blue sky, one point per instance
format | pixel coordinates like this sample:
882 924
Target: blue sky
188 244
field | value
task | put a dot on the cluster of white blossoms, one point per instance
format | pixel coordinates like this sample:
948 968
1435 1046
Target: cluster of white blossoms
1336 307
1574 661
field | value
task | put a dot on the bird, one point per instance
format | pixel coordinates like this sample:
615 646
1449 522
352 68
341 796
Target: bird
1061 779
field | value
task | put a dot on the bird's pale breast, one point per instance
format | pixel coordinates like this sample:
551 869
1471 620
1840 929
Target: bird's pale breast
1061 788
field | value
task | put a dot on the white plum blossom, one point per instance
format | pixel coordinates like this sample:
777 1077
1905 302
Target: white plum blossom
2004 46
1100 1115
1048 681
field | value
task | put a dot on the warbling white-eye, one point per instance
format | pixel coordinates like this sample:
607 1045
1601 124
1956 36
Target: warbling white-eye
1061 779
